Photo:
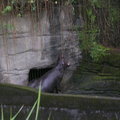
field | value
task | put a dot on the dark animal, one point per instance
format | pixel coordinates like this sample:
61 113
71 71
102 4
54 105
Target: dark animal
50 82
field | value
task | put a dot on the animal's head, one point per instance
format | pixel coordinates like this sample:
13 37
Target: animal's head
62 62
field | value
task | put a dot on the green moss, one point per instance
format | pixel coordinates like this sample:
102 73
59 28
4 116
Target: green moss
113 59
87 67
22 90
94 78
104 78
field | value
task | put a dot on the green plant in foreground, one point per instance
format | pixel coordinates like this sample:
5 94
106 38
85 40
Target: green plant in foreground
2 114
11 118
36 104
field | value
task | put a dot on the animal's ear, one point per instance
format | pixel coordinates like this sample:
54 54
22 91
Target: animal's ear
60 57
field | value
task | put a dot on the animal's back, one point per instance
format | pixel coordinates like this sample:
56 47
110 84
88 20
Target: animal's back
50 82
46 81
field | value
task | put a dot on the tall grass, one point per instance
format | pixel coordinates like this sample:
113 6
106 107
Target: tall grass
36 105
14 117
2 114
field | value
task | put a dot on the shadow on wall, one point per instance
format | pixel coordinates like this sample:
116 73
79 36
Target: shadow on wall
36 73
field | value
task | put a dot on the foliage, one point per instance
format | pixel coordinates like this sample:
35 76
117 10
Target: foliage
21 6
101 20
90 46
73 1
18 6
11 118
7 9
36 104
14 117
2 113
98 51
89 36
114 15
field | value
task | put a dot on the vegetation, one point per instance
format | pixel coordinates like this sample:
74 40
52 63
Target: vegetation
97 35
101 27
36 104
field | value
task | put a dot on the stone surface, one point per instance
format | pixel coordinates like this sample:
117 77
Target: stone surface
27 42
95 79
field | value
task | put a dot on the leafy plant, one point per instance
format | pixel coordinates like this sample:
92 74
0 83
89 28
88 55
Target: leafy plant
114 14
2 113
98 52
90 46
7 9
89 42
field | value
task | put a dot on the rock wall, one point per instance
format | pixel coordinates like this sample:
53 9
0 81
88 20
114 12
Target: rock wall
31 41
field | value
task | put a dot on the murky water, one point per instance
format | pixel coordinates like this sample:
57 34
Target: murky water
63 114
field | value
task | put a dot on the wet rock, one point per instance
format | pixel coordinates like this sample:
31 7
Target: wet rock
92 78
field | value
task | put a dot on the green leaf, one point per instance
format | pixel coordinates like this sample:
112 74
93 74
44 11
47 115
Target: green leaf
13 118
10 113
31 110
8 8
38 103
49 116
89 12
93 17
2 114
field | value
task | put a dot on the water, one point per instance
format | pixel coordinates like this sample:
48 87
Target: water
63 114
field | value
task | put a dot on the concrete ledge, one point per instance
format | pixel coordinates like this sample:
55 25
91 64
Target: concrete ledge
20 95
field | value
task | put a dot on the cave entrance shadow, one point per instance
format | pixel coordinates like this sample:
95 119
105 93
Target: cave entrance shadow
36 73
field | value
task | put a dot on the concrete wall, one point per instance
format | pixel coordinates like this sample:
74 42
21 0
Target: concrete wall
28 41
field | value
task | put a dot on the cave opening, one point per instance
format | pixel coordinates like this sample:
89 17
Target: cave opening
36 73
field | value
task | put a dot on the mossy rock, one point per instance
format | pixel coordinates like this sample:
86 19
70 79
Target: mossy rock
100 79
113 58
